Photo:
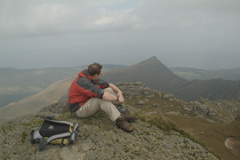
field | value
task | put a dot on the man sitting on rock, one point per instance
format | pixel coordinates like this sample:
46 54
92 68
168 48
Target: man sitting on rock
88 94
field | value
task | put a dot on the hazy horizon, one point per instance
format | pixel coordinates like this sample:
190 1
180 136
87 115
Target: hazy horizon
109 64
195 34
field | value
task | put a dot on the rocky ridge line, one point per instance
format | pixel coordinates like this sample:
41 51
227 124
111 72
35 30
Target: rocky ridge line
220 111
98 139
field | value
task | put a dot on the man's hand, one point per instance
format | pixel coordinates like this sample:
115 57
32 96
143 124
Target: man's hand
121 99
111 97
119 93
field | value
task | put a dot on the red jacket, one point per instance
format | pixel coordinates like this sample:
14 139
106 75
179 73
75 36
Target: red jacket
84 88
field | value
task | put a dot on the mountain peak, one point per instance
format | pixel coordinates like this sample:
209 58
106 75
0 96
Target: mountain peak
151 60
151 71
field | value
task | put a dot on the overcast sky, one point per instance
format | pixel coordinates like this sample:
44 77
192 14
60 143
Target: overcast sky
201 34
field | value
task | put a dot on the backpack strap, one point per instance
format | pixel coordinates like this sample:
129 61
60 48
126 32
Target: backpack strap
35 136
43 144
73 137
60 122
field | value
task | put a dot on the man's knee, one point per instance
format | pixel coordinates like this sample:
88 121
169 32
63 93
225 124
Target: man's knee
107 105
109 90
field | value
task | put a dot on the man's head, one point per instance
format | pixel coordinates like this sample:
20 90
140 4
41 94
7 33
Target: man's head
95 70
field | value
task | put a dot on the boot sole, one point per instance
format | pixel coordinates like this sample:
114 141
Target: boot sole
125 130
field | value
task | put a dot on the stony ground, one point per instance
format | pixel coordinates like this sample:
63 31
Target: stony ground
98 139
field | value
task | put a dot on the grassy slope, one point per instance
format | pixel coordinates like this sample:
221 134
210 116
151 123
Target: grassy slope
212 136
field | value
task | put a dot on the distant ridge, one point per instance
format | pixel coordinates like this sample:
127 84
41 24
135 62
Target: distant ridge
16 84
151 71
212 89
156 75
35 103
193 73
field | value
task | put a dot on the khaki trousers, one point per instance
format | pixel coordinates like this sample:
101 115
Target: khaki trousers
94 104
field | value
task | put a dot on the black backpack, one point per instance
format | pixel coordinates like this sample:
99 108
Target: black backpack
54 132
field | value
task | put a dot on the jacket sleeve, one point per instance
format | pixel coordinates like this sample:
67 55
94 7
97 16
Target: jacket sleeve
88 88
102 84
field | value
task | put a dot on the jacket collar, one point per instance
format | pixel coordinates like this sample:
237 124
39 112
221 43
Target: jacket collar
85 74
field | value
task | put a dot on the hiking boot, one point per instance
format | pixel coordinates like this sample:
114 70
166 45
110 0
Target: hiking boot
124 125
128 116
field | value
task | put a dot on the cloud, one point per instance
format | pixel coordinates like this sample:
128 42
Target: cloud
112 20
168 29
29 17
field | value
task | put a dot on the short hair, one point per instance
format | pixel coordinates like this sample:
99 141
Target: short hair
94 68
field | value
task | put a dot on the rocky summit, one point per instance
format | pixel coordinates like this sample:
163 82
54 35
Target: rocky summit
98 138
154 137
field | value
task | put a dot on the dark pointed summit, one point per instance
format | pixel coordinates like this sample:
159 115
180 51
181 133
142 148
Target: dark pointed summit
152 63
151 72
